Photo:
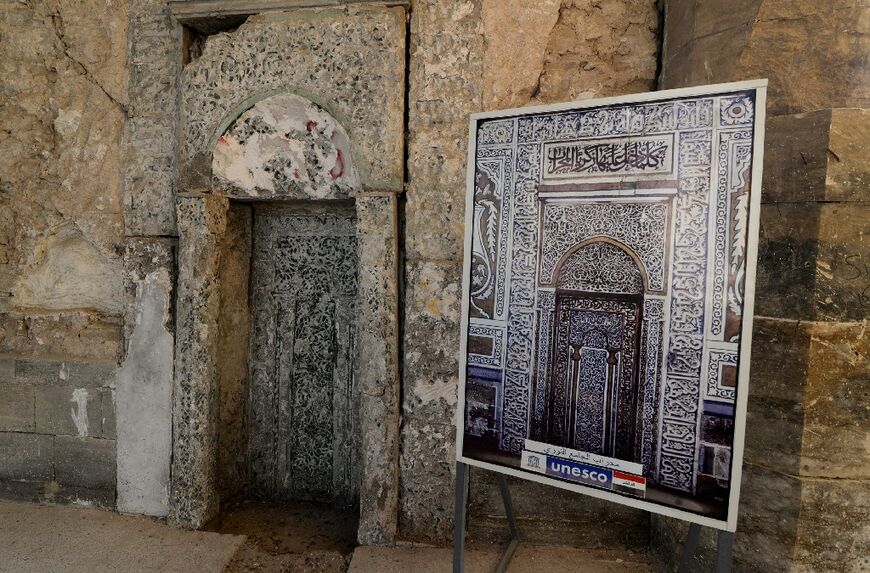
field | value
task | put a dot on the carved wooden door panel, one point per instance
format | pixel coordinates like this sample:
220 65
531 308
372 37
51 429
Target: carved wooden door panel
303 442
593 381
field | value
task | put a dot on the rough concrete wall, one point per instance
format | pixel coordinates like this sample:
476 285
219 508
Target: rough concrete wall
467 56
805 497
63 73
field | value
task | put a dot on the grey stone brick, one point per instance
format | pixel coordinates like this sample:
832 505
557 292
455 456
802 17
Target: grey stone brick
16 408
68 372
85 462
69 410
7 370
26 457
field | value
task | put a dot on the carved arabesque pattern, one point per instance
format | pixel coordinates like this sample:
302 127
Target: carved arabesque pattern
641 226
600 267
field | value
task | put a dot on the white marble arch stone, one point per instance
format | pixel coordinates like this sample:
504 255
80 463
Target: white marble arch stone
284 146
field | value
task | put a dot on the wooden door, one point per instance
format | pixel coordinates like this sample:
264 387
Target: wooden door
593 379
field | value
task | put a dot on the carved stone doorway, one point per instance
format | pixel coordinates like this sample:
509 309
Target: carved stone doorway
304 418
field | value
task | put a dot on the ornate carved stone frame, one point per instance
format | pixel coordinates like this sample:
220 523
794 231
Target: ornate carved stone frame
377 144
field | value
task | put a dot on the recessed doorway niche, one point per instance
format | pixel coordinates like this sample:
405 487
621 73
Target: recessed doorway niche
287 384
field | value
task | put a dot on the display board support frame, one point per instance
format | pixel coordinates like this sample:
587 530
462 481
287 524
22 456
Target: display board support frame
724 547
460 514
724 544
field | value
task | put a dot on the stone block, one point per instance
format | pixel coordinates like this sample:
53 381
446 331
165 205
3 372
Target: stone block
76 335
7 370
714 41
836 403
27 457
378 359
69 410
42 372
427 459
813 261
85 462
817 156
832 532
16 408
778 381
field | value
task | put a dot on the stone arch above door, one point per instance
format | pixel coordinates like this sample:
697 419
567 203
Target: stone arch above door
284 147
350 62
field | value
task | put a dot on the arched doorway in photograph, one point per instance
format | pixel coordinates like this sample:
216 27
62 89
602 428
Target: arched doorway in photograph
593 386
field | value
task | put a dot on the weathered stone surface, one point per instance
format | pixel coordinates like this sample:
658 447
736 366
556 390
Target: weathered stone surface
817 156
64 372
378 365
599 49
16 408
69 410
26 457
85 462
233 351
285 146
63 114
812 261
149 138
349 60
709 41
444 76
833 528
202 221
808 414
143 392
516 35
430 381
107 407
778 380
81 336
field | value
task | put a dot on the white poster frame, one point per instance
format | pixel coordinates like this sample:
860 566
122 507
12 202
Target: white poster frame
760 87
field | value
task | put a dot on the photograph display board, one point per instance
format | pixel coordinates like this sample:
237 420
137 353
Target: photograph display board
608 292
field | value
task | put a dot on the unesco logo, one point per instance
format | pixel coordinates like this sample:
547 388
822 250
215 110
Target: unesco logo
580 473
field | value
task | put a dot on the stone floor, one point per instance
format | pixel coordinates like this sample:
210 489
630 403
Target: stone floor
300 538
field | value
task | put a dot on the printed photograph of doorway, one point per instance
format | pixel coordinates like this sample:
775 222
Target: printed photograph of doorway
609 277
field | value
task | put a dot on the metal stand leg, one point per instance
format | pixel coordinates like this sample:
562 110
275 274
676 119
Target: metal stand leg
459 517
724 546
512 525
690 548
459 520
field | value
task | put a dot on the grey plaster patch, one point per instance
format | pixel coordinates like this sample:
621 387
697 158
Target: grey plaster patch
350 61
144 403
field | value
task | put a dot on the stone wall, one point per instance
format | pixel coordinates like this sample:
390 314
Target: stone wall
64 76
805 498
88 250
464 57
